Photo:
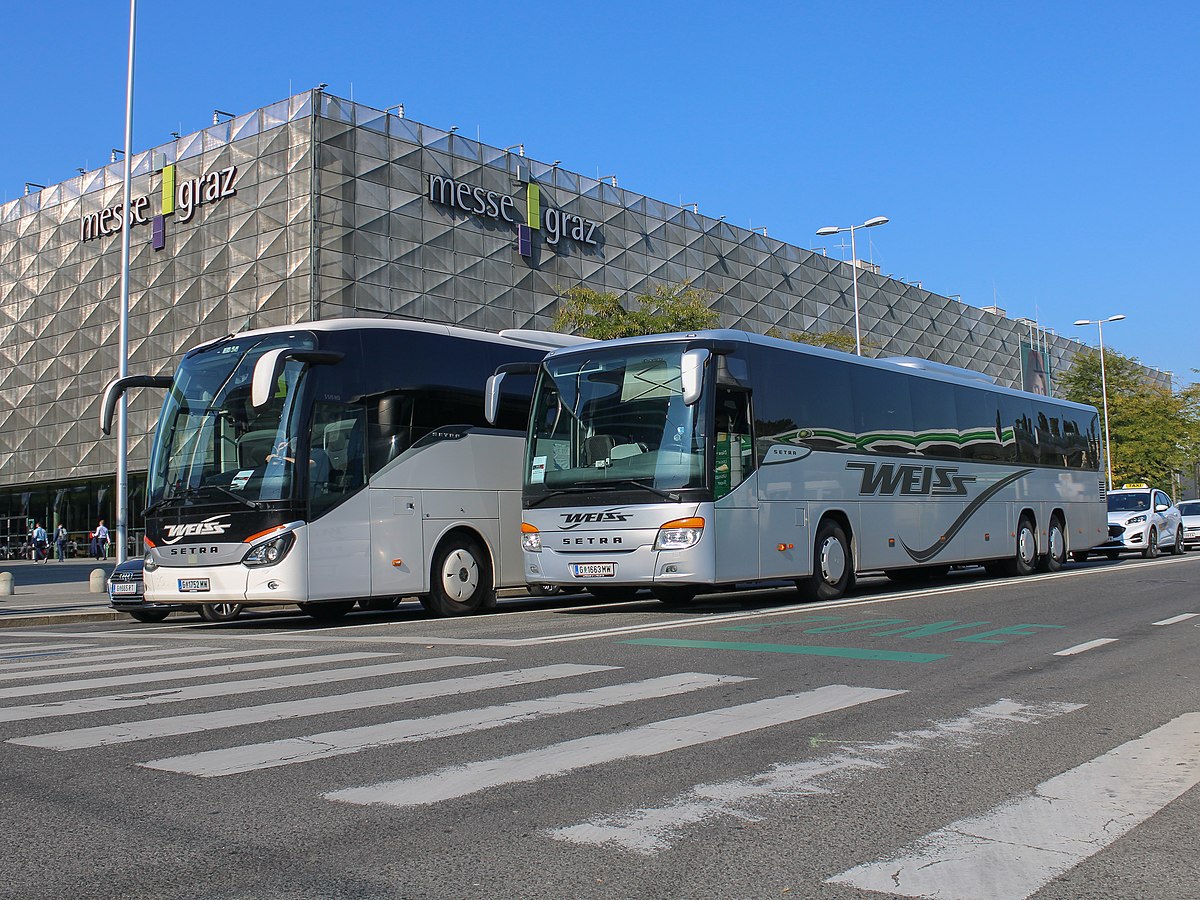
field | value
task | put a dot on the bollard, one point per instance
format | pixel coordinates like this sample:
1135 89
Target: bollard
6 584
96 583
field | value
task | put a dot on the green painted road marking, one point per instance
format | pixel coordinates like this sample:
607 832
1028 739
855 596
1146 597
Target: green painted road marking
983 638
846 652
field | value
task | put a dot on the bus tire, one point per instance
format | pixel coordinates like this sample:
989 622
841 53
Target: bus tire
220 612
674 595
149 615
326 612
1056 547
1024 558
1151 551
460 581
833 565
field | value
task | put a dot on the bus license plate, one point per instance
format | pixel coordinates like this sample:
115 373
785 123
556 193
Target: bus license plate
593 570
192 585
128 587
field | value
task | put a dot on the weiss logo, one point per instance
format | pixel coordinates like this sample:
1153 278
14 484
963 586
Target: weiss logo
211 525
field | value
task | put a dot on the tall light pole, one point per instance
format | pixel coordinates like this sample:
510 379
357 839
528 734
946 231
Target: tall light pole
1099 323
833 229
122 522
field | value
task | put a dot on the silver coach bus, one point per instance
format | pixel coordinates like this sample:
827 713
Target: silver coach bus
682 462
337 461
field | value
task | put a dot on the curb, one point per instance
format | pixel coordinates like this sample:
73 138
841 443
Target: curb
41 619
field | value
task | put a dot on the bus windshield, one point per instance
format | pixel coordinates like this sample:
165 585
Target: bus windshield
211 444
615 420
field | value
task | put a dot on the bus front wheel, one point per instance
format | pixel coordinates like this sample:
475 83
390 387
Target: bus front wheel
461 579
327 612
674 595
833 565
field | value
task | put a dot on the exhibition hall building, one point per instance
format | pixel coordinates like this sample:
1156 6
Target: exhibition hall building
316 207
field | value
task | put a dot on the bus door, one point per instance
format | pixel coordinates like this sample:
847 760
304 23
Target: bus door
735 507
339 529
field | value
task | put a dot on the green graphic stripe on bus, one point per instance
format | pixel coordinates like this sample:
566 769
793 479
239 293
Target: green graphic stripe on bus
845 440
844 652
973 507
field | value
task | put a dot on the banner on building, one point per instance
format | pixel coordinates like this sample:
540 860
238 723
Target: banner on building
1035 369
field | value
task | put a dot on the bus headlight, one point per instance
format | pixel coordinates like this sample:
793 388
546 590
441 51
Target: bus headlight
148 563
679 534
531 539
268 553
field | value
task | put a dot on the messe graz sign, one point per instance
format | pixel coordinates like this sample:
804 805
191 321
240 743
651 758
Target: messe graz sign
180 197
478 201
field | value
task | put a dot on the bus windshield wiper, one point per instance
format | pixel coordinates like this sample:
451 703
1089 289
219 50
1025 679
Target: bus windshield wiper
554 492
666 495
245 501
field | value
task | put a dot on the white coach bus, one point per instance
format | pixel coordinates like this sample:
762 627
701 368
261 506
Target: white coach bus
337 461
682 462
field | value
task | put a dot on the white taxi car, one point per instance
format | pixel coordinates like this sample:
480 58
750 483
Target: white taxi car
1142 519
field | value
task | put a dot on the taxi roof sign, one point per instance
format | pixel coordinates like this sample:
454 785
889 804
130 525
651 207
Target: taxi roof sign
1130 487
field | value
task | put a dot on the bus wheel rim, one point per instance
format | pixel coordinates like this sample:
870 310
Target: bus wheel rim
460 575
833 561
1027 545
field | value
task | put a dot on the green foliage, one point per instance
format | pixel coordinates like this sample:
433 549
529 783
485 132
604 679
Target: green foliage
834 340
1154 431
600 314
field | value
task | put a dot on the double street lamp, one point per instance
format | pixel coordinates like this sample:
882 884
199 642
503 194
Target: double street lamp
834 229
1099 323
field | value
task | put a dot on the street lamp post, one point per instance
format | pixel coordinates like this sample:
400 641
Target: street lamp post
122 499
1099 323
833 229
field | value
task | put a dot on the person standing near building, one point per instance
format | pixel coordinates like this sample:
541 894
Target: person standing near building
60 541
101 541
40 544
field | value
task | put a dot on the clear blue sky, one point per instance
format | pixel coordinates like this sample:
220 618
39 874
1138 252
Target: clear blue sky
1041 154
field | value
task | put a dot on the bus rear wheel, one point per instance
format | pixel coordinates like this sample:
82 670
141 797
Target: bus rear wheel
461 579
1056 548
327 612
833 565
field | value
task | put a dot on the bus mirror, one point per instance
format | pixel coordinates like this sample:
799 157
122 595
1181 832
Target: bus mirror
269 365
691 372
491 397
118 386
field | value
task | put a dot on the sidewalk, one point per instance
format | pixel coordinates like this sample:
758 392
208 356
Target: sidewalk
54 593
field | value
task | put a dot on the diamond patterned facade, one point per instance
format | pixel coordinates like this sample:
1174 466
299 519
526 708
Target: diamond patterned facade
332 215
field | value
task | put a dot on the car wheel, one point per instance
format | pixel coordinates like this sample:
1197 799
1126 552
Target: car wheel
674 595
833 565
460 579
326 612
220 612
1178 547
1056 548
1113 554
1151 551
1079 555
149 615
1024 559
544 590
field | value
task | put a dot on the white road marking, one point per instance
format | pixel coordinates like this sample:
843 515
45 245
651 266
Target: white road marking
125 732
352 740
34 649
651 830
1174 619
1020 846
229 688
142 660
649 740
1086 646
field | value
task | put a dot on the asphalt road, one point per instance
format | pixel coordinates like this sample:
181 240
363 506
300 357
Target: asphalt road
967 739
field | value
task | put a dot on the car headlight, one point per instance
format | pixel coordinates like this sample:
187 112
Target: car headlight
531 539
270 552
679 534
1135 520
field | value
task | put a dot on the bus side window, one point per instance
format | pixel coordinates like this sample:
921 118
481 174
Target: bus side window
734 444
335 456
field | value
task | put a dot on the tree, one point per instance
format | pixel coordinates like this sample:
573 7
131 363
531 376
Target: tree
1154 431
834 340
600 314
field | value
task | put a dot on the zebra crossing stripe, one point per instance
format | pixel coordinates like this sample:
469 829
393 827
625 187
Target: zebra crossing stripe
352 740
126 732
30 649
117 663
229 688
1019 847
649 740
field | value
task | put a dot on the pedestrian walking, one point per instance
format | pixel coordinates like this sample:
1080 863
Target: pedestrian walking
101 541
40 544
60 542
